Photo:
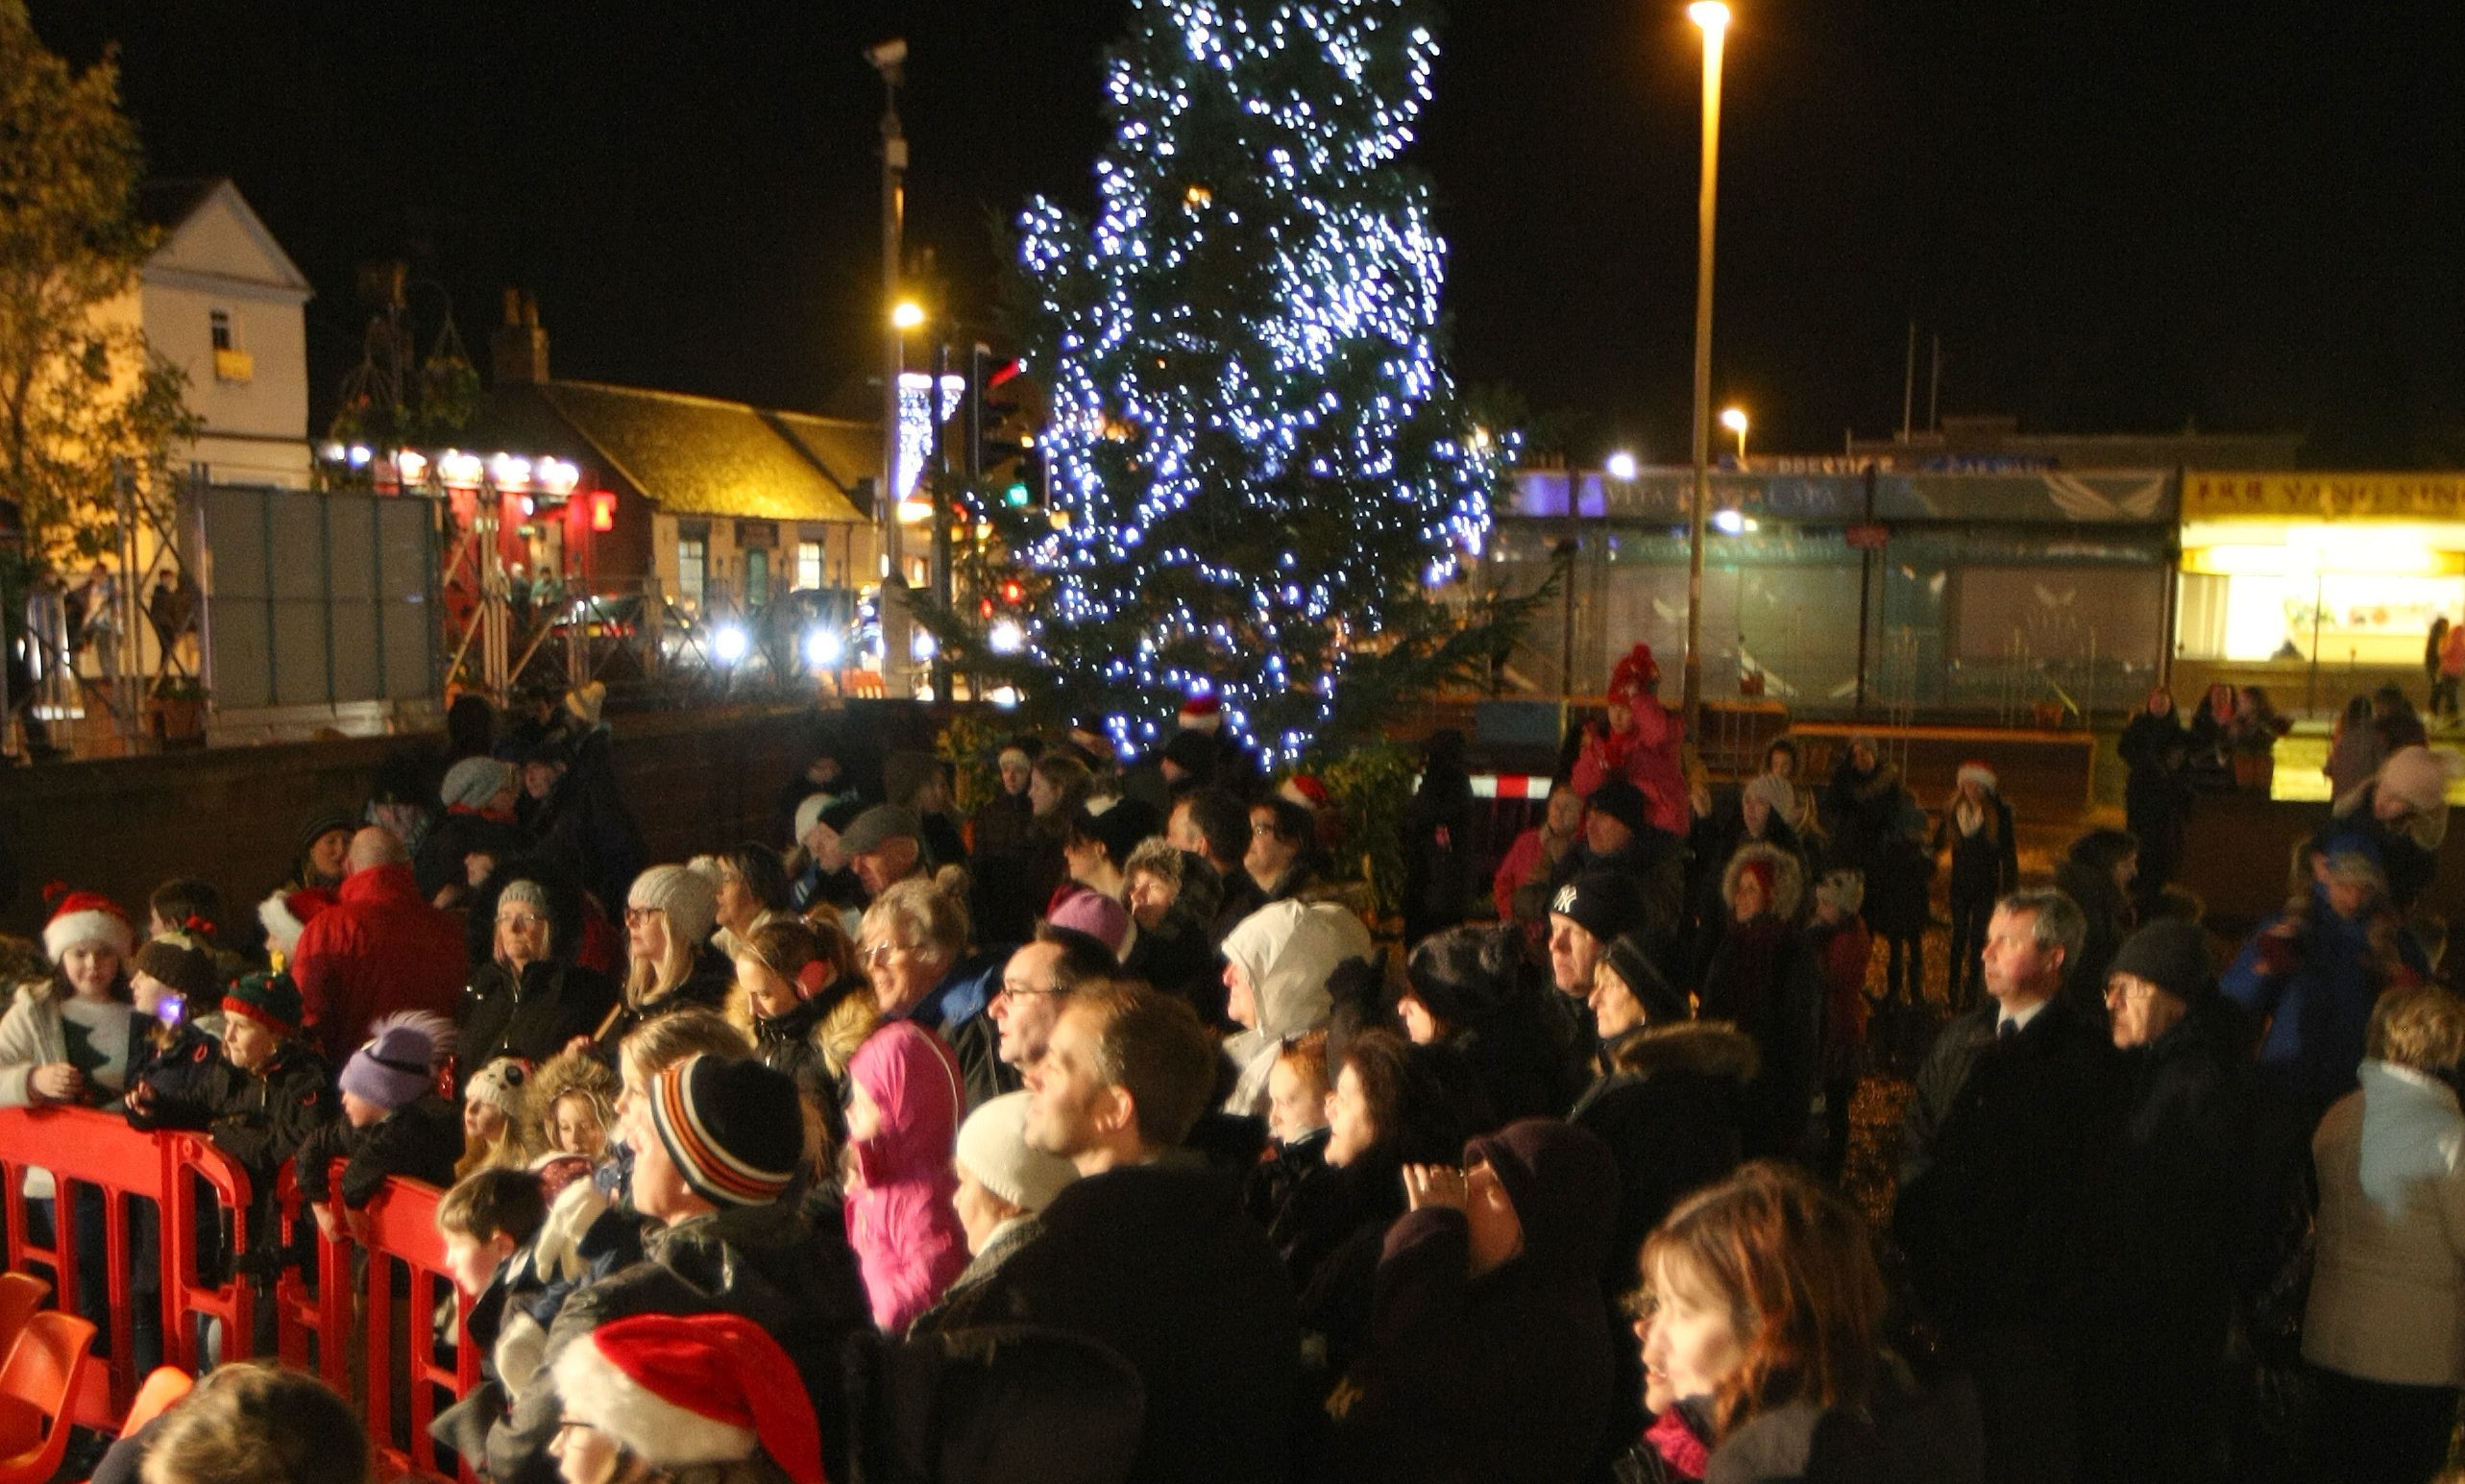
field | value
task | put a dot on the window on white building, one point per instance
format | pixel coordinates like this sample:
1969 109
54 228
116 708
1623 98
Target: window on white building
693 569
221 323
809 565
757 578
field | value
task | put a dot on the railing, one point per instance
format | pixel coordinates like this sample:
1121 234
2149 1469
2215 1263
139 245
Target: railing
370 1344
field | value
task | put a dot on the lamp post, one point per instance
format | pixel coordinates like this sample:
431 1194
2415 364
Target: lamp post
1713 18
890 59
1734 419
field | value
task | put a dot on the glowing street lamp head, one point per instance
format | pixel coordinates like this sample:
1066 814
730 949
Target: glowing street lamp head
1710 14
1622 465
1734 419
907 314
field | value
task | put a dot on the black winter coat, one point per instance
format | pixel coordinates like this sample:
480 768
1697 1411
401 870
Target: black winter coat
1672 1109
532 1017
763 1262
1158 1262
259 1118
1991 1167
2167 1180
1765 979
460 833
419 1142
1497 1379
1986 864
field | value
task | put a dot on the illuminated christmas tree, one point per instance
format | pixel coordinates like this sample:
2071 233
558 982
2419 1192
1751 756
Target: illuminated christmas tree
1257 457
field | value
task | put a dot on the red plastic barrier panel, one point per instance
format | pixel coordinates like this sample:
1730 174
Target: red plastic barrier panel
92 1148
399 1231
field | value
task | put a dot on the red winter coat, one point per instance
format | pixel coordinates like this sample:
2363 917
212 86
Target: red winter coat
379 949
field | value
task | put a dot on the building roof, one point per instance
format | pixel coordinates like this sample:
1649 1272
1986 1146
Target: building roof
172 204
698 456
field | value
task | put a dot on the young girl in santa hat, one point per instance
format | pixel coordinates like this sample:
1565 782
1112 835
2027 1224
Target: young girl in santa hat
67 1039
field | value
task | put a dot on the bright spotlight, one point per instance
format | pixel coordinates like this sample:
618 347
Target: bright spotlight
1622 466
1007 637
824 649
728 644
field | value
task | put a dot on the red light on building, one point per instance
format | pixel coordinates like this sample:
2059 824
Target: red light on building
602 510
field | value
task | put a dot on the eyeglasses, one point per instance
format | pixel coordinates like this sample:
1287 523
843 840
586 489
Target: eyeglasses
1026 991
875 955
527 920
636 915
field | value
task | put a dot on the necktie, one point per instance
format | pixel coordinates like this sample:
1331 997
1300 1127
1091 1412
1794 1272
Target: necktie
2007 1028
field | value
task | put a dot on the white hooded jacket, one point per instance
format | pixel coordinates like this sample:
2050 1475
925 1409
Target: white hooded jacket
1287 951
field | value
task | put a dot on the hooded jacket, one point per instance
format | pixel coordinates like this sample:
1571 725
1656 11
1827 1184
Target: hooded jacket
1501 1378
1764 979
259 1118
378 950
901 1221
1288 950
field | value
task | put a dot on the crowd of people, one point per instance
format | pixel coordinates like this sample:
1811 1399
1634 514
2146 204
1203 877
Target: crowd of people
1098 1135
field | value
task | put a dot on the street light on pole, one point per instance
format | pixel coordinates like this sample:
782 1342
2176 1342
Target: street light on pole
1713 18
890 59
1734 419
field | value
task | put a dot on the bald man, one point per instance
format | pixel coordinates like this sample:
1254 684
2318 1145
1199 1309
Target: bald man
380 949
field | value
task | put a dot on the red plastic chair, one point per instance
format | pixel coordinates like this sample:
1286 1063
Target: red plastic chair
21 1294
161 1391
35 1385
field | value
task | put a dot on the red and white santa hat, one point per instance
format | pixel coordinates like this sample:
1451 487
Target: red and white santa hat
1978 773
82 919
676 1391
286 914
1306 790
1201 714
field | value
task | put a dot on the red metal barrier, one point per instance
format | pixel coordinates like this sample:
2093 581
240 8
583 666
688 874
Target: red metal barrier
400 1227
97 1150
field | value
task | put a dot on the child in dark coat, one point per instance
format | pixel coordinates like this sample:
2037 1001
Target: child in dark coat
393 1120
1489 1355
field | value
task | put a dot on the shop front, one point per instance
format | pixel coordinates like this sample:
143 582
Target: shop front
2318 585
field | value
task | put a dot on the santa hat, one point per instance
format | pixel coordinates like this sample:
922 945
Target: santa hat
678 1391
82 919
1636 675
1306 790
1201 714
286 914
1974 771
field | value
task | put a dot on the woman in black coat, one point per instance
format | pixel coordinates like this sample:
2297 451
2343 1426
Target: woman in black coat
1765 980
2157 797
527 995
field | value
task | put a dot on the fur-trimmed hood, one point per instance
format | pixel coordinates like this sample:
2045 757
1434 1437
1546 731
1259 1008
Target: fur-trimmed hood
1788 878
570 1071
1714 1048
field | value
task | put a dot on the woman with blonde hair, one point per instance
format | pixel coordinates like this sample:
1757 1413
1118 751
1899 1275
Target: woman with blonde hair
669 918
2385 1328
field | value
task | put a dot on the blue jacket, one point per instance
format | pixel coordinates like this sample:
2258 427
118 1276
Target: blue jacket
2318 1010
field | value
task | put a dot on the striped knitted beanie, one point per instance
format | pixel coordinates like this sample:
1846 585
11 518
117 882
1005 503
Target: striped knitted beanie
732 1126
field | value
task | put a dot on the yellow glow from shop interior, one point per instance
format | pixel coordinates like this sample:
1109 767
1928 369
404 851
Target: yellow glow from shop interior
2359 549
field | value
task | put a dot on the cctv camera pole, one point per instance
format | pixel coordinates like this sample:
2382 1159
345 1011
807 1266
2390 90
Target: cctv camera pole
890 59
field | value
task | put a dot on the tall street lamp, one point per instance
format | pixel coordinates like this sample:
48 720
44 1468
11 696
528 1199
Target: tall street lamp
1714 20
1734 419
890 59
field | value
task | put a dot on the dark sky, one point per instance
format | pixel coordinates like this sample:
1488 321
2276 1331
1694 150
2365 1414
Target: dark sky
2117 218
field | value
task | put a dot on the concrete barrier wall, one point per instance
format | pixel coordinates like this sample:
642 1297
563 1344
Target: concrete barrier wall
697 781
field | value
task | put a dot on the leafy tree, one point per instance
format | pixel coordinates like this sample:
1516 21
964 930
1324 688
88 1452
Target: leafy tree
81 397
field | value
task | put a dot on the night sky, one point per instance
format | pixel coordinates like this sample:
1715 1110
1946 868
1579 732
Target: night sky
2118 218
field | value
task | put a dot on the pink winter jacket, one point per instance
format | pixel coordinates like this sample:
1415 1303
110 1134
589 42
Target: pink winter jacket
1648 754
900 1219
